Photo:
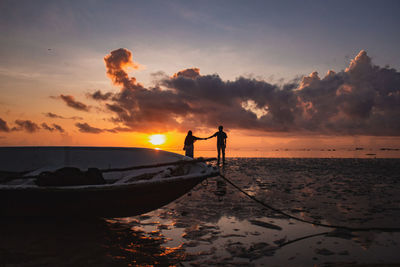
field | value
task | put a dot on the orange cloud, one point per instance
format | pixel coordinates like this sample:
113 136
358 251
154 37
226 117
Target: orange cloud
188 73
117 63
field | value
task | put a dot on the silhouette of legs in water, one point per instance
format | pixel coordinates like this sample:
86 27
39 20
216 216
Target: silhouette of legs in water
220 191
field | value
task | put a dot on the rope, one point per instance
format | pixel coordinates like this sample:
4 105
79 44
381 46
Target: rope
300 238
355 229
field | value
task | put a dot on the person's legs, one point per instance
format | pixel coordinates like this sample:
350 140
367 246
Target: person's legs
219 153
189 151
223 154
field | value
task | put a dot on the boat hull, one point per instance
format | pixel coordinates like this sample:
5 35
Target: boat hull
107 200
121 201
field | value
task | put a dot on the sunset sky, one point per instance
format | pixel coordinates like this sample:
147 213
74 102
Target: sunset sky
276 74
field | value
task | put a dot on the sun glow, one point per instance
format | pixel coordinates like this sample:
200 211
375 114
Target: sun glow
157 139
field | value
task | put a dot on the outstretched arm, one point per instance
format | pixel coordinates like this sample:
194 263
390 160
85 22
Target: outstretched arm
214 135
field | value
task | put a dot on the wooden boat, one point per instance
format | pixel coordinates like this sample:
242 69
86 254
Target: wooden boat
124 193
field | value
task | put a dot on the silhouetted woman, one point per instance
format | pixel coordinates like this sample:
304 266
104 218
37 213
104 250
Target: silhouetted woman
189 140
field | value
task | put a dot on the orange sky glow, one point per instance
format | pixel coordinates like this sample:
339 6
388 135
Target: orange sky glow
240 143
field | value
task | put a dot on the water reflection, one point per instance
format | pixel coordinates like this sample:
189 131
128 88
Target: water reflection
55 242
216 224
220 189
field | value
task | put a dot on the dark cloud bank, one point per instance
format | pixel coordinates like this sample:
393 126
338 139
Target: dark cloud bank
364 99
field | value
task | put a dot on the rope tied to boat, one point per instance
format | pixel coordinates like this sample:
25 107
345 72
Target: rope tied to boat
353 229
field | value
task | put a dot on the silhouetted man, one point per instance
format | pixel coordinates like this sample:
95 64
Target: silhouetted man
221 143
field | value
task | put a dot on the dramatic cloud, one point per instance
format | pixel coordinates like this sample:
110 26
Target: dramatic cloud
55 116
26 125
71 102
55 127
3 126
116 63
363 99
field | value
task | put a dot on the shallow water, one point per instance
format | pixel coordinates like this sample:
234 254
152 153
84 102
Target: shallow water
217 225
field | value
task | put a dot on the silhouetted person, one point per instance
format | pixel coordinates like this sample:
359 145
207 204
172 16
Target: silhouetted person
221 143
189 140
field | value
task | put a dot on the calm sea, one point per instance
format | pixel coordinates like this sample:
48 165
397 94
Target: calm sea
356 152
217 225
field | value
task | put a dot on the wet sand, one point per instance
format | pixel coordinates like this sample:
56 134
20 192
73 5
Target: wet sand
217 225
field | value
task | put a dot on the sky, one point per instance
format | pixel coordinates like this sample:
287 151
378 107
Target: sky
274 73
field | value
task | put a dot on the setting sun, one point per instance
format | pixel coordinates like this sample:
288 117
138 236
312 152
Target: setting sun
157 139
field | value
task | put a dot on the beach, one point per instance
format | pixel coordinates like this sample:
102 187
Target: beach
215 224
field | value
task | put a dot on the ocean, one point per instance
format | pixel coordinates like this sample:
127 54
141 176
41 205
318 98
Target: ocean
216 225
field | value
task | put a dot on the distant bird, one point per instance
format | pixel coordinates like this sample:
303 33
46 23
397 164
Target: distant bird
49 49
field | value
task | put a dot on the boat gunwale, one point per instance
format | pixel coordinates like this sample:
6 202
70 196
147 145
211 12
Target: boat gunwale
114 186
